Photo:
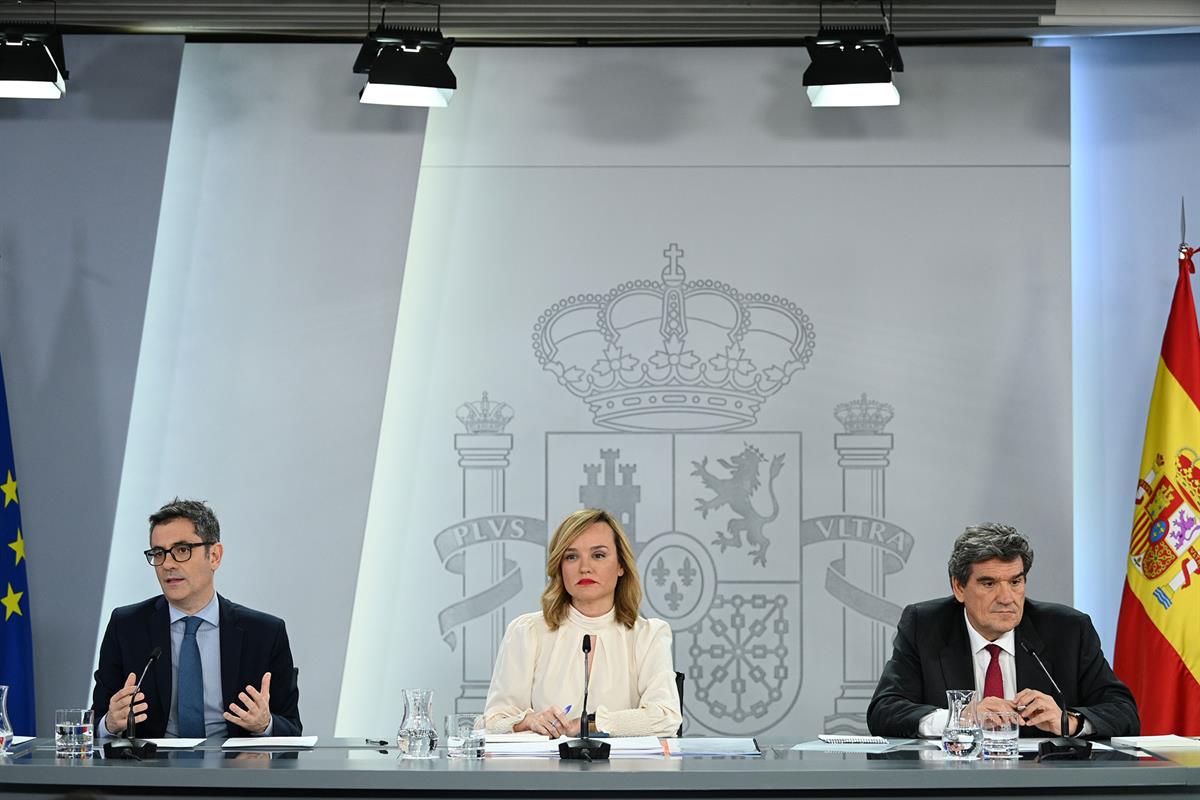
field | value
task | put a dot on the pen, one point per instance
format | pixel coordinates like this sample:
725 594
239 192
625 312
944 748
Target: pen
380 742
567 710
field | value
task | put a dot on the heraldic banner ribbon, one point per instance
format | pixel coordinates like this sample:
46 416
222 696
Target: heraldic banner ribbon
1158 630
451 545
894 542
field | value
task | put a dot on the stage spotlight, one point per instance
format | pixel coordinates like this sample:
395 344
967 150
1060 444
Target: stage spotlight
32 63
407 65
852 65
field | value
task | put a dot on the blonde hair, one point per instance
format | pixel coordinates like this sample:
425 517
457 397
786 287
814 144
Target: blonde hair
556 601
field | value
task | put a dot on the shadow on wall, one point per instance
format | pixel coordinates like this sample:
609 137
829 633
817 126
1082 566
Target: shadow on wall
626 97
102 70
313 85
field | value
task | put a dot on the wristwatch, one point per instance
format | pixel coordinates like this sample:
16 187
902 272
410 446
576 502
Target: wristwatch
1075 715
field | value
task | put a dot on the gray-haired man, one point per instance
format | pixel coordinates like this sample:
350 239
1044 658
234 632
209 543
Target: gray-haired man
985 637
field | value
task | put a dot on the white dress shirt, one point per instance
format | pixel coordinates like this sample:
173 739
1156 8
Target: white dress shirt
632 690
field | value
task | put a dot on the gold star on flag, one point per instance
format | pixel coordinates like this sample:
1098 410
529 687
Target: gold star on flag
12 603
18 546
9 488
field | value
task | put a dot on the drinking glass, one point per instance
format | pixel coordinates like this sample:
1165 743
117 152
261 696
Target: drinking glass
1000 732
73 733
464 735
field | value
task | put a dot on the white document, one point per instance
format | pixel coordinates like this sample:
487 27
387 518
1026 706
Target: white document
711 746
16 740
816 745
620 746
1030 745
523 736
270 741
175 744
1169 741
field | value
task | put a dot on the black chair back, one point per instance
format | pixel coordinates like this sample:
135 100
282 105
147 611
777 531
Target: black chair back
679 688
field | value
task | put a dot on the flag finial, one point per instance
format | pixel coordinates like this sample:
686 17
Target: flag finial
1182 223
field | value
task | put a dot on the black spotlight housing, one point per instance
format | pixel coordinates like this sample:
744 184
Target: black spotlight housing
406 66
852 65
32 63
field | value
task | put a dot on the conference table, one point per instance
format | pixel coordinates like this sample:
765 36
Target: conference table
352 768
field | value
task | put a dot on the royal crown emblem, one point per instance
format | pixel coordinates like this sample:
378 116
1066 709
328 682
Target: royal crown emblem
484 415
864 416
674 354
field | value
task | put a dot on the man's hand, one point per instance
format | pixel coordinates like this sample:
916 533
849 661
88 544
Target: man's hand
117 718
997 704
1042 712
255 712
548 722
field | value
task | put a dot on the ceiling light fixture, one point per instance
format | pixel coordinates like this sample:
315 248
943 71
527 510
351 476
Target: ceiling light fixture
852 65
406 65
32 64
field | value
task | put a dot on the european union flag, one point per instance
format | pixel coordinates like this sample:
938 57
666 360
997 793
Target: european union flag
16 638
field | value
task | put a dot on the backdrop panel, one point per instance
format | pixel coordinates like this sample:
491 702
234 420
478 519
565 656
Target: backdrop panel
796 383
268 329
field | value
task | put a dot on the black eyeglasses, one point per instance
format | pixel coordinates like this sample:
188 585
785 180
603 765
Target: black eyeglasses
181 552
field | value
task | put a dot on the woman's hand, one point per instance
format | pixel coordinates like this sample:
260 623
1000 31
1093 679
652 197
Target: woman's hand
548 722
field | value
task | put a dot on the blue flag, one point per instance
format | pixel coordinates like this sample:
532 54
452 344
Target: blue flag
16 638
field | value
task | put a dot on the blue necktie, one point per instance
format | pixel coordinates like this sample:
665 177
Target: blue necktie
191 683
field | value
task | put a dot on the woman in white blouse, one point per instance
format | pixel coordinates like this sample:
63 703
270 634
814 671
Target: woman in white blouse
594 589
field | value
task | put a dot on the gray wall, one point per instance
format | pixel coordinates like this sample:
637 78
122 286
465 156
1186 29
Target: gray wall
269 326
83 179
1135 106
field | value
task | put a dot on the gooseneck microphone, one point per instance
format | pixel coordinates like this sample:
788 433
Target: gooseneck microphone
1063 747
584 748
130 746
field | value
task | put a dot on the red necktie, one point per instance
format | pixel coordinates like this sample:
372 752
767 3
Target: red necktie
993 683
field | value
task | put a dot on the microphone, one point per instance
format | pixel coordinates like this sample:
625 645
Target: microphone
1064 747
584 748
131 746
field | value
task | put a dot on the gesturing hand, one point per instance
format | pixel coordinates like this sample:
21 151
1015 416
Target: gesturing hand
117 718
255 712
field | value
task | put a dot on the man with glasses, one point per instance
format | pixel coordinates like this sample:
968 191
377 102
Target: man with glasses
224 669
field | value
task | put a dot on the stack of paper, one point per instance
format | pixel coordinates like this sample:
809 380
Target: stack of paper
710 746
1153 744
523 746
270 741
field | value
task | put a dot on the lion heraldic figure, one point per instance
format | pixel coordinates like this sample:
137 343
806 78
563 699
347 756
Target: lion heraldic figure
737 491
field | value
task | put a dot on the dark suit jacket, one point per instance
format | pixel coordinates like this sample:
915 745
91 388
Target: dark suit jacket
933 653
252 643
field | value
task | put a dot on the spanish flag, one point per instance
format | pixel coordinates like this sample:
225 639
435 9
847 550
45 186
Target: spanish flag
1158 631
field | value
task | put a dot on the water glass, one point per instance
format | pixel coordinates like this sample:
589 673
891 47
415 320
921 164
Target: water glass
73 733
464 735
1000 732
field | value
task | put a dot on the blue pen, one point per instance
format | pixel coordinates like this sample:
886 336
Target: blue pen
567 710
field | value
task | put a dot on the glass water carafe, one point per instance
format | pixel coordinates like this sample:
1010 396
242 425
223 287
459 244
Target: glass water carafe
963 736
417 735
6 731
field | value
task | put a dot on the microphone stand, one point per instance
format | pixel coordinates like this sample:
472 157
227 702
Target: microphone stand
584 748
130 746
1064 747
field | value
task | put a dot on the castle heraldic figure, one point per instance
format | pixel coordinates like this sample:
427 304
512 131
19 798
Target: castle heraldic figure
986 636
224 669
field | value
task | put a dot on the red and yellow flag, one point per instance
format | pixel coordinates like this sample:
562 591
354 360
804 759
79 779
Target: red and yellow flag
1158 631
